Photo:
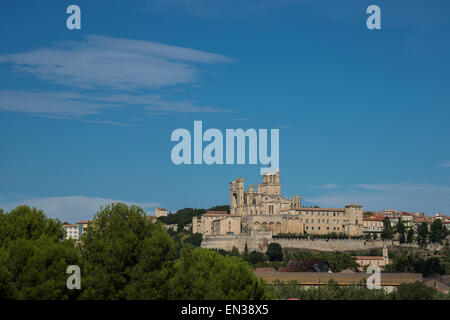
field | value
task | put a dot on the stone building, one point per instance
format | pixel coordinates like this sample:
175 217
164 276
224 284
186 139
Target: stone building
160 212
379 261
373 225
265 209
265 199
75 231
217 223
72 231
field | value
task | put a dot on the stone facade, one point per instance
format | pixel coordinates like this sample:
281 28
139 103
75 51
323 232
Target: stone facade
160 212
266 209
216 223
257 214
259 240
378 261
373 225
266 199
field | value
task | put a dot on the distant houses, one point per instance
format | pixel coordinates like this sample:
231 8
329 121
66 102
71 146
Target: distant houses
75 231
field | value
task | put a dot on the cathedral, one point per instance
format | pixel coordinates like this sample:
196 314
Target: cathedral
264 209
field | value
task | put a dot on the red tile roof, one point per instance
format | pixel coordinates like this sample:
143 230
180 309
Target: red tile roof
369 258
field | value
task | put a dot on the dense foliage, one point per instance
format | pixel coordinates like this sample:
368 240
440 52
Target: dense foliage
415 264
438 231
331 291
183 217
388 230
33 261
123 255
274 252
206 274
337 261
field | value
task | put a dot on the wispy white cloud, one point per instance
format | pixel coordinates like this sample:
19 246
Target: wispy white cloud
328 186
445 164
124 65
158 103
114 63
63 104
68 105
428 198
71 208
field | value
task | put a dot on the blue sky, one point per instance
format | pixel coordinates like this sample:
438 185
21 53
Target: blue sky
86 115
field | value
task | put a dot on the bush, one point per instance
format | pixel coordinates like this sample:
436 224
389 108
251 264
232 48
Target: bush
255 257
205 274
413 291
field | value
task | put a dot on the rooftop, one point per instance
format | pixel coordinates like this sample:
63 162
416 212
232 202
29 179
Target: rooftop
317 209
372 218
369 257
315 278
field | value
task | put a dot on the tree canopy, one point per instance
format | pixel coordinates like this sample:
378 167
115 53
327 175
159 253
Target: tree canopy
122 255
33 260
206 274
438 231
274 252
125 255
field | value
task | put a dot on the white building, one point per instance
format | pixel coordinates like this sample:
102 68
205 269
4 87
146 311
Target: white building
161 212
72 231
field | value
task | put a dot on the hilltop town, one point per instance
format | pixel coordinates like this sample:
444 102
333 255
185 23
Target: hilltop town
260 220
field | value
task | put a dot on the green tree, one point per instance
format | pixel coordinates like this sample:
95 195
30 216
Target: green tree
339 261
33 256
195 239
220 208
422 234
413 291
415 264
182 217
388 231
400 228
235 252
438 231
329 291
410 236
206 274
126 256
274 252
255 257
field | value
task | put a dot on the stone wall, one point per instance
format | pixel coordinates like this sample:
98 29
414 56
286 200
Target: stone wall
260 241
332 244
